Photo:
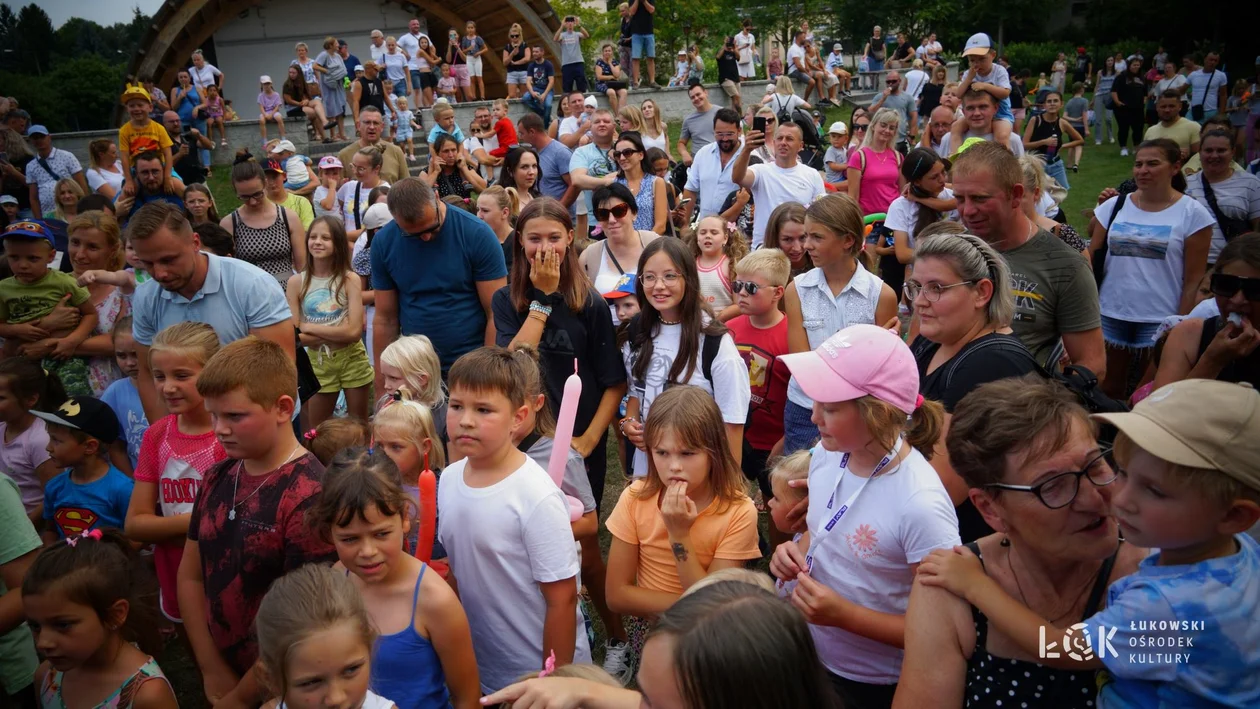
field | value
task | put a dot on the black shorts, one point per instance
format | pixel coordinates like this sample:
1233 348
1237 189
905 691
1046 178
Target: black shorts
753 464
295 112
615 85
428 80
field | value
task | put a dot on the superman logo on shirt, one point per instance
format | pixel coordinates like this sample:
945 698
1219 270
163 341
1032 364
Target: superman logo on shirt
73 521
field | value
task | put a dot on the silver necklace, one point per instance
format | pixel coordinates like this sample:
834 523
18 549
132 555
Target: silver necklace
240 468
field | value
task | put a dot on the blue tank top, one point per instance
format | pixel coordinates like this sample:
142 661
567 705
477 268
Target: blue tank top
406 668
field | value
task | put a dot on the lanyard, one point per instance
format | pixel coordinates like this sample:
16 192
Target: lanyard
831 501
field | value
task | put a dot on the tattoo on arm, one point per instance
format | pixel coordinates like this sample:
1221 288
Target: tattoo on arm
680 551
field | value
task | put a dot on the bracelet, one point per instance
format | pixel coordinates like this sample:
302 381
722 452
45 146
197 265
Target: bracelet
536 307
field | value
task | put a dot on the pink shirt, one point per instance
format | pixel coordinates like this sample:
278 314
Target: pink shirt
175 462
20 457
880 173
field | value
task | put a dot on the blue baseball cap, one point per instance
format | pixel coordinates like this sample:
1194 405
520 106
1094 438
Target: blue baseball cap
37 129
30 229
624 287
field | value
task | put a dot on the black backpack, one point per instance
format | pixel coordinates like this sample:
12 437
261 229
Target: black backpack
708 350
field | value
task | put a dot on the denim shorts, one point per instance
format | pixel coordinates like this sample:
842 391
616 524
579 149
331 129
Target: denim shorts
517 78
1130 335
642 45
799 432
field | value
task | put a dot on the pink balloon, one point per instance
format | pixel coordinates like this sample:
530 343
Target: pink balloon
564 437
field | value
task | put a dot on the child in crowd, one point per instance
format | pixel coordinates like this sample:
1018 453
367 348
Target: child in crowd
622 299
986 75
374 219
178 450
446 87
407 127
91 493
125 280
717 247
407 433
412 363
860 557
213 108
270 107
107 650
32 292
688 518
444 122
760 334
391 110
297 172
682 67
24 385
1076 112
657 355
774 67
424 655
9 204
335 435
214 239
504 129
250 507
785 495
315 642
1237 107
122 395
837 156
327 304
141 134
506 527
1188 487
325 197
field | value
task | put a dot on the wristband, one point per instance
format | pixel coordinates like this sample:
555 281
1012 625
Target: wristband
536 307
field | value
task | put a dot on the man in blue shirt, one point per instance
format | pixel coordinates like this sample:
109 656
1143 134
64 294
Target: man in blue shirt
542 79
553 160
234 297
434 271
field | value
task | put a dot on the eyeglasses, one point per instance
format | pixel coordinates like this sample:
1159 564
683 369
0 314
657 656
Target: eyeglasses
649 279
618 212
931 291
1226 286
742 286
624 153
252 196
1060 490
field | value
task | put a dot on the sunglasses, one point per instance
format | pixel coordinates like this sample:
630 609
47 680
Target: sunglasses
1226 286
618 212
625 153
861 126
514 36
746 286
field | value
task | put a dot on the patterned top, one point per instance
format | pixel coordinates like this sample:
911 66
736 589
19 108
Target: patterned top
122 698
269 248
645 201
320 306
823 315
103 371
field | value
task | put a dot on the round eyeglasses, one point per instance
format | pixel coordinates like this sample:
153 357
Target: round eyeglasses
1060 490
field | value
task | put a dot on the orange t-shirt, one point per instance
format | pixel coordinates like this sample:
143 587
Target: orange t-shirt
151 138
730 534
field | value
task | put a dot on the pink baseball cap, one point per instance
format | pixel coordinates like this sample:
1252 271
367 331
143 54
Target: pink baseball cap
859 360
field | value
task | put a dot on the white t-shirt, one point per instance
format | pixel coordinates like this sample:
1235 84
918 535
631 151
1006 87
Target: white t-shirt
203 77
1046 205
773 185
473 143
1206 88
784 104
97 177
370 701
410 43
915 80
1145 258
794 52
904 214
1237 196
1174 83
503 541
899 517
1017 143
568 125
346 195
730 388
320 193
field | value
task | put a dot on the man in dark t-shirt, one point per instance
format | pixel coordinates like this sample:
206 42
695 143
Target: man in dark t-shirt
642 39
728 73
184 149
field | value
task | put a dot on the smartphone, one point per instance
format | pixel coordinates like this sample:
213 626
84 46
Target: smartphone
683 203
759 123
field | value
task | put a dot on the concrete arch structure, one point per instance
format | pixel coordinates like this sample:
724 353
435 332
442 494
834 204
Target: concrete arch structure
254 37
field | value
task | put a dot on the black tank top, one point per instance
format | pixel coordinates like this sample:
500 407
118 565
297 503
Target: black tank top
1246 369
371 93
1043 129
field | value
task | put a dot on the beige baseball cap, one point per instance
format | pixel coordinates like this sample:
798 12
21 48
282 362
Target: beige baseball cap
1199 423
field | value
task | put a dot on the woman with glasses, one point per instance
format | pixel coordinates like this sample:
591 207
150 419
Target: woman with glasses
648 189
1026 450
961 294
836 293
354 196
268 235
606 261
515 59
1222 347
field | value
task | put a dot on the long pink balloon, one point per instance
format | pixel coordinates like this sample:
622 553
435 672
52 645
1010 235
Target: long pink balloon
564 437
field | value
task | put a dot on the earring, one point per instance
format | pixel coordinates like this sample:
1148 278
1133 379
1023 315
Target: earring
1006 542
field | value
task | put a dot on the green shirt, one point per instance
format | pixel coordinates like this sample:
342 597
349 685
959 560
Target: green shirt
17 539
301 206
22 302
1054 293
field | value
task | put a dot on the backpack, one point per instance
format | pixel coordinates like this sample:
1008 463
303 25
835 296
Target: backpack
708 350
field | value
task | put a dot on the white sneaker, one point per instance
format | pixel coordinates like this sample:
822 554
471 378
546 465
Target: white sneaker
617 661
1124 152
1113 140
1097 142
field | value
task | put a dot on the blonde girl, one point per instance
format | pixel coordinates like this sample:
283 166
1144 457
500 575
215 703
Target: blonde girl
175 454
424 655
327 303
407 433
630 118
66 196
688 518
717 246
83 600
410 367
498 206
655 132
877 506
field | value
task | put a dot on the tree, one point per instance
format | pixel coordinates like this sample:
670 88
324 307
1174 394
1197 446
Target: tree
35 40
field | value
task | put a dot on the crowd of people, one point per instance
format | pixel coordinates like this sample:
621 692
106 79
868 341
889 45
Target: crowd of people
895 348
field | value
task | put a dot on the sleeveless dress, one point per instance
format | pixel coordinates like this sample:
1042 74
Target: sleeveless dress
715 288
1002 682
122 698
1246 369
269 248
645 201
406 668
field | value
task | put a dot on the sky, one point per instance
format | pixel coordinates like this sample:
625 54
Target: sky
104 12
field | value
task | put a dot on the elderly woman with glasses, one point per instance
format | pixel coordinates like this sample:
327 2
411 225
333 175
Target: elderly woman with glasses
960 291
1028 454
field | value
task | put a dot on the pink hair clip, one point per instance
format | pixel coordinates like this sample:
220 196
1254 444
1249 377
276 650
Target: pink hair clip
918 402
90 534
731 226
549 666
310 435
